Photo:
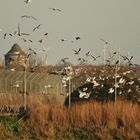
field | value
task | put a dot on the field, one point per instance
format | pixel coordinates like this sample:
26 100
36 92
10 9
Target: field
98 117
84 121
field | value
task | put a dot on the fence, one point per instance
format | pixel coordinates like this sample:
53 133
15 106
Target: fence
36 83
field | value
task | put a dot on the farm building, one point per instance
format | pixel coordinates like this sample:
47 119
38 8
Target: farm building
15 58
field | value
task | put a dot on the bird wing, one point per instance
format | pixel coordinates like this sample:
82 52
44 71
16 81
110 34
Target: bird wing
79 50
24 34
98 56
75 51
59 10
46 34
34 29
88 53
104 41
5 35
33 18
18 28
93 57
131 58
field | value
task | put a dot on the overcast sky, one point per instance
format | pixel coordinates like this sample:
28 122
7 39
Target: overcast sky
116 21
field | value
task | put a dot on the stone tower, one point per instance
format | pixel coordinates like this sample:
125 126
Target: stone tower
15 58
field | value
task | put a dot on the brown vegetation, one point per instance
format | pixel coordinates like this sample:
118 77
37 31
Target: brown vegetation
99 120
90 120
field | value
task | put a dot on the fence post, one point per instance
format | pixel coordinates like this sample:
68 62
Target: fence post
25 88
116 68
69 92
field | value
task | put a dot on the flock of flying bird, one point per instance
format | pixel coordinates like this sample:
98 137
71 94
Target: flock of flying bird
25 36
22 35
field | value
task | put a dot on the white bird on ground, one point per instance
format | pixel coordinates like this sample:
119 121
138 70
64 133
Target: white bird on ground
129 90
116 85
121 81
111 90
95 83
127 72
83 94
131 82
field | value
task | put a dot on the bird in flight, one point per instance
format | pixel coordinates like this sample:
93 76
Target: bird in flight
27 1
94 58
82 61
19 32
64 60
117 62
77 38
104 41
128 59
40 41
87 54
5 35
77 52
45 34
63 39
24 39
55 9
37 27
26 16
10 34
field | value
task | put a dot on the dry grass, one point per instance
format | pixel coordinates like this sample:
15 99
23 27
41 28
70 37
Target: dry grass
95 120
102 119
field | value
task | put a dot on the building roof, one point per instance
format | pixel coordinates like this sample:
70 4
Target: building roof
16 49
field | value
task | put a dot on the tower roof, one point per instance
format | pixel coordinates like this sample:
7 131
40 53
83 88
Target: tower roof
16 49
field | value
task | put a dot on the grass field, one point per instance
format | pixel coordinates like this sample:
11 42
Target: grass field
82 121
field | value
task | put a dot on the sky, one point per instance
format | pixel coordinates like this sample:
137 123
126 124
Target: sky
116 21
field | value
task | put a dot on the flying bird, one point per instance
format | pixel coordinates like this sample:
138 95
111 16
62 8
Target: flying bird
40 41
77 38
30 40
19 32
82 61
26 16
87 54
63 40
10 34
45 34
77 52
27 1
54 9
64 59
59 10
125 58
104 41
5 35
24 39
117 62
94 58
37 27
